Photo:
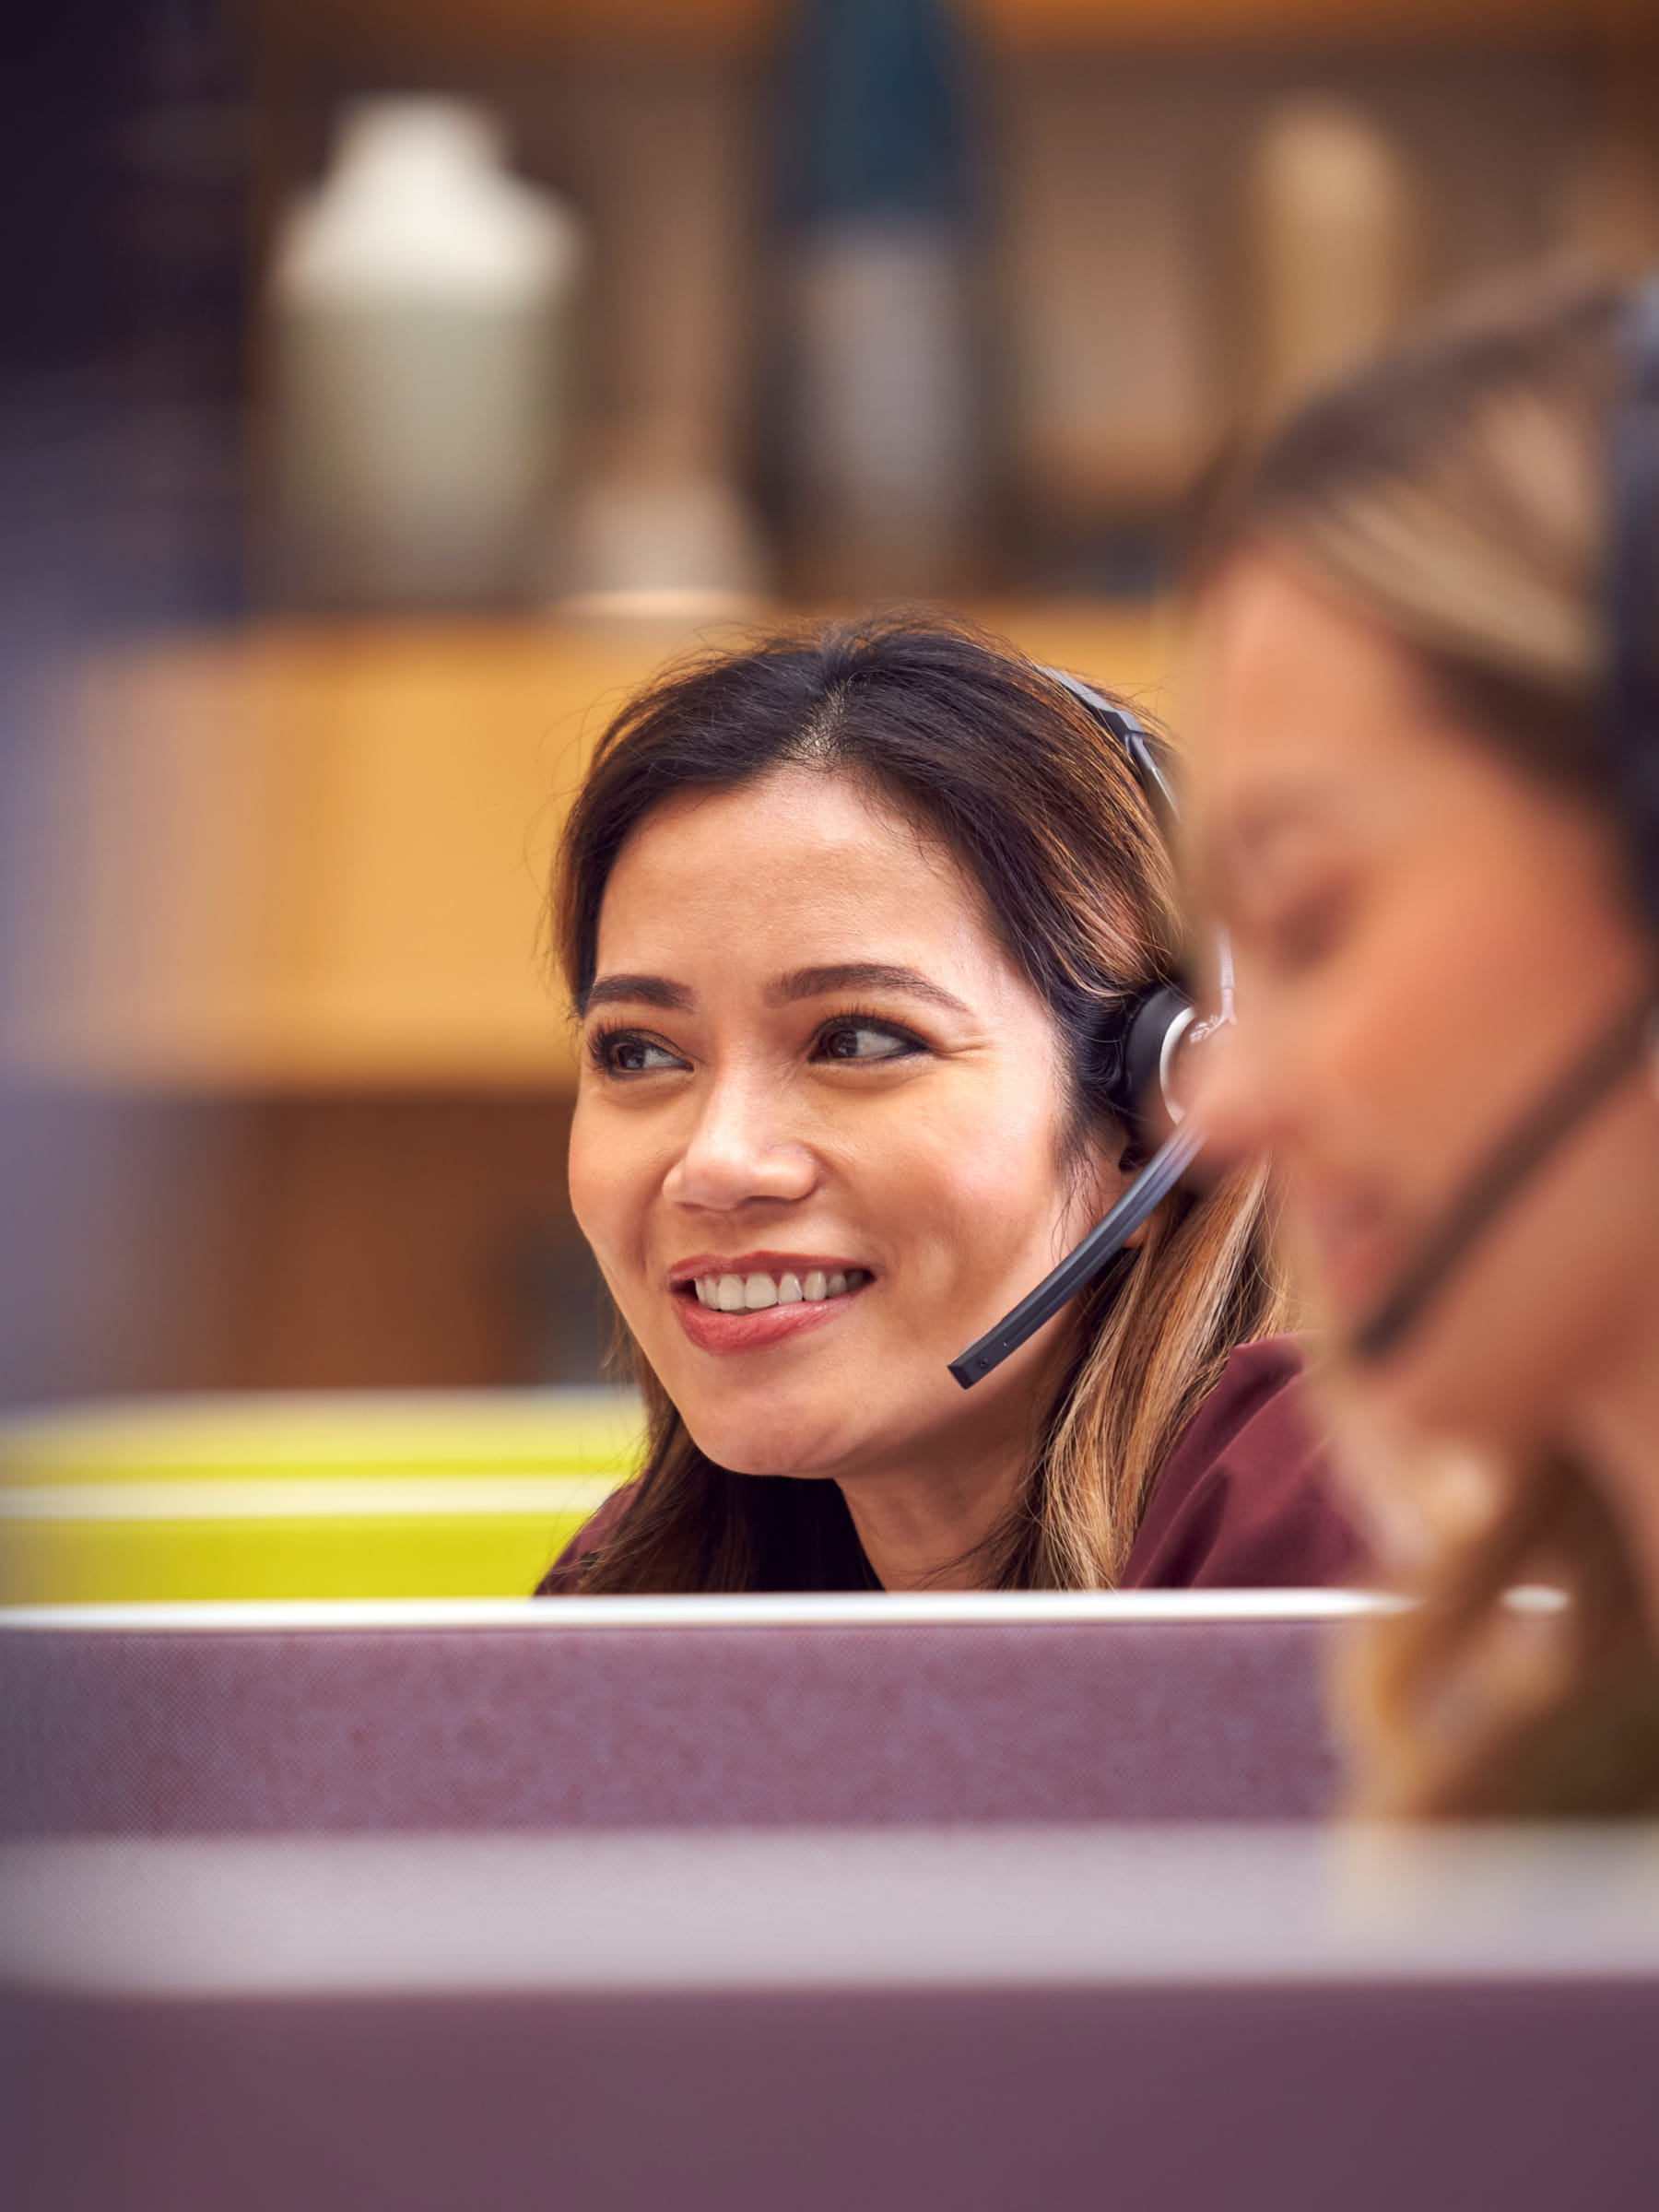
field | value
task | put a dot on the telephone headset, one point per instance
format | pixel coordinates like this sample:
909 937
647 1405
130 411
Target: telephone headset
1141 1047
1157 1022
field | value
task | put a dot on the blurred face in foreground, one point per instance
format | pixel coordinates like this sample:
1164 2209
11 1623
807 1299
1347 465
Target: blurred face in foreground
819 1145
1425 938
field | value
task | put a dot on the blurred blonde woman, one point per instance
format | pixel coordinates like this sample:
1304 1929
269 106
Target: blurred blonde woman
1427 805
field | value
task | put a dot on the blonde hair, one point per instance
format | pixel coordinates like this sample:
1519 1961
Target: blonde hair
1456 494
985 753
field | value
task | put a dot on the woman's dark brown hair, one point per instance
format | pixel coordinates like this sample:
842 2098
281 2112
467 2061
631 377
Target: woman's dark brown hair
995 761
1456 495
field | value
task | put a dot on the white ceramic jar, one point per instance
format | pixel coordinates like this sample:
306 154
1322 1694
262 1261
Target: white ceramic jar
421 309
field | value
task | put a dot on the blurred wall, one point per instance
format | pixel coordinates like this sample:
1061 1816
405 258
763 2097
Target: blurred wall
314 1135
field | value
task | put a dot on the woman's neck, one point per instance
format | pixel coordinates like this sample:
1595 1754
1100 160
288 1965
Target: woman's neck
924 1512
922 1530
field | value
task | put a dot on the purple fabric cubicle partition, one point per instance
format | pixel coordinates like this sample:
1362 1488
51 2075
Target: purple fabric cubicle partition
613 1907
1127 2018
597 1713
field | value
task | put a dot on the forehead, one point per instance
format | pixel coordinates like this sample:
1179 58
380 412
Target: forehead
1300 712
813 855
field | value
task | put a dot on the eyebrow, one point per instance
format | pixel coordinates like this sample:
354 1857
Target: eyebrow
865 975
1263 825
801 983
635 990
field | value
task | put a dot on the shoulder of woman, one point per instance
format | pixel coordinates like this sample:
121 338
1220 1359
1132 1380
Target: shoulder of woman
563 1579
1245 1498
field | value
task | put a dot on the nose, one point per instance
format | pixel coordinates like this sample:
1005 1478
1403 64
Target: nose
1234 1095
740 1153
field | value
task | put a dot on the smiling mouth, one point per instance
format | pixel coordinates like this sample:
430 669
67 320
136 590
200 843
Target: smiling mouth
1354 1243
757 1291
761 1298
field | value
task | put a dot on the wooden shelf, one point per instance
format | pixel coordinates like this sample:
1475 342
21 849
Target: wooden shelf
306 858
484 30
1072 25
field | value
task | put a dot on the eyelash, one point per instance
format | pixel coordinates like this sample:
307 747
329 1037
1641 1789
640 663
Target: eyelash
603 1041
856 1018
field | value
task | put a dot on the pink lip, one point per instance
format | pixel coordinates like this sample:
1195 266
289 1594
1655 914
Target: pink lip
1354 1245
724 1334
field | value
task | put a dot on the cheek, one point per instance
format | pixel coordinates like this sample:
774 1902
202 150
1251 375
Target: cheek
1405 1056
1324 1073
1469 1023
1377 1058
978 1175
609 1181
587 1187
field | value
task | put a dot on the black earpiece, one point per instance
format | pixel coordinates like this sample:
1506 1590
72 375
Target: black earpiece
1138 1055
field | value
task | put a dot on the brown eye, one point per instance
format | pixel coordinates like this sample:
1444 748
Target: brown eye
625 1052
853 1041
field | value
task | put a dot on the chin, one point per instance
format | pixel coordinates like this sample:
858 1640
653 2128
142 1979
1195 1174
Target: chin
782 1440
1453 1396
1397 1397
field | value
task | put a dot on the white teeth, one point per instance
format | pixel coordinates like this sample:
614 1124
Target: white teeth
755 1293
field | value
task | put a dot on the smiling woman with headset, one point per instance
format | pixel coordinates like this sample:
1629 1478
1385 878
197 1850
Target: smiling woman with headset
872 933
1426 800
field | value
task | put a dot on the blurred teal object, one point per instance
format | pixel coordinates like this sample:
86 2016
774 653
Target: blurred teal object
877 97
885 415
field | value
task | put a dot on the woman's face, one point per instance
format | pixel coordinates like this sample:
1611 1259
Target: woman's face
818 1137
1424 940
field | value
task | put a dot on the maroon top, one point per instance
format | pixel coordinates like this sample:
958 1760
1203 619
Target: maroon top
1243 1502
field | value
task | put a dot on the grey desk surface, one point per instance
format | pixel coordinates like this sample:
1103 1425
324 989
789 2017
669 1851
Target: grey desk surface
827 1909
